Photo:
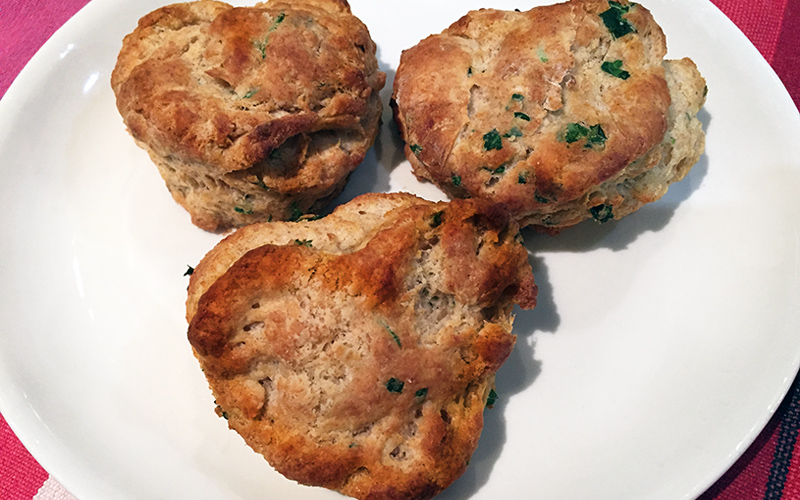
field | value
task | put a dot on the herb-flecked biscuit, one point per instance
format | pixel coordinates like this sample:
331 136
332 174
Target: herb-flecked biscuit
251 113
561 113
357 352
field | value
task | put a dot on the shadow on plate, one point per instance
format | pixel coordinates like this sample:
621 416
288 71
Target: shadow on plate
522 368
620 234
516 375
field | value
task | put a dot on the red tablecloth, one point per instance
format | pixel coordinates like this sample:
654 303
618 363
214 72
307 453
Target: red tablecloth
768 469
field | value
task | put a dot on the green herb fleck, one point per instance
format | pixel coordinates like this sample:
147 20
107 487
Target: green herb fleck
616 24
416 149
304 243
243 210
456 179
514 132
491 399
517 97
541 54
522 178
421 393
602 213
469 72
614 68
262 45
224 415
522 116
574 133
495 171
394 335
540 199
262 48
189 271
436 219
492 140
260 183
296 213
594 135
353 445
394 385
250 93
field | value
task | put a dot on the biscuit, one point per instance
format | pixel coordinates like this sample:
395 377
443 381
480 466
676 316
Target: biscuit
251 113
562 113
357 352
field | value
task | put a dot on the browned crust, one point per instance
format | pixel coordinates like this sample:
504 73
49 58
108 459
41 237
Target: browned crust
286 93
309 391
551 56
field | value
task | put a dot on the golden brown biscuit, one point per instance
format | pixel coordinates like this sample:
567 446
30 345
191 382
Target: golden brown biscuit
251 113
361 361
561 113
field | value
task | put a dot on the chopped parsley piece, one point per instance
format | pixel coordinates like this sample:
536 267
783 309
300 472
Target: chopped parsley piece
495 171
296 213
250 93
574 133
522 116
436 219
394 385
539 198
614 68
189 271
541 54
456 179
492 140
614 21
522 178
242 210
305 243
514 132
421 393
492 399
394 335
594 135
602 213
416 149
262 46
469 72
517 97
260 183
225 415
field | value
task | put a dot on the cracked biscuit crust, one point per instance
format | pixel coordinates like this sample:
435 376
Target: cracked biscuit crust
558 113
251 113
362 364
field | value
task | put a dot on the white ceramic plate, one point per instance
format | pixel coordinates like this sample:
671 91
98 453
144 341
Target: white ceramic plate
660 347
